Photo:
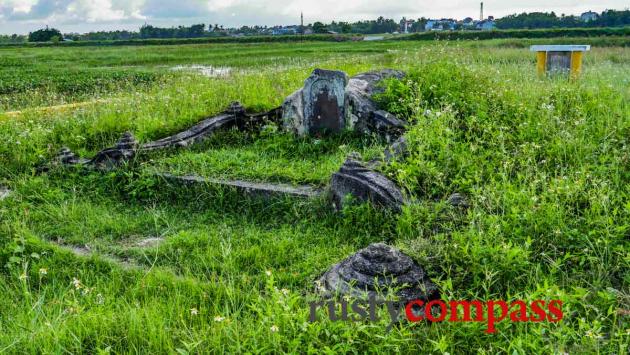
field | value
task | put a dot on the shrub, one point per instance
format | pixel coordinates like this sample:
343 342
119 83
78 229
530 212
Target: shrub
45 35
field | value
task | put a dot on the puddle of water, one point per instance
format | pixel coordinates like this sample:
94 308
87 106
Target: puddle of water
205 70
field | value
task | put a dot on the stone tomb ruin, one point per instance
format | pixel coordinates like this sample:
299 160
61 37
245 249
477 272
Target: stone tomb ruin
329 103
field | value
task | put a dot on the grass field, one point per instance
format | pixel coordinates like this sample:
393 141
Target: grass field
545 163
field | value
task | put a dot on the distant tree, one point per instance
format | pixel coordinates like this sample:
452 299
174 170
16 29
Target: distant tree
612 18
418 26
14 38
345 27
45 35
319 27
529 20
608 18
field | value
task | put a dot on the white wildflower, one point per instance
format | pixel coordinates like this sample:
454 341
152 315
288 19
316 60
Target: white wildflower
76 282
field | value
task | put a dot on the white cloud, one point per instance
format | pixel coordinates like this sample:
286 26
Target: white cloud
96 11
85 15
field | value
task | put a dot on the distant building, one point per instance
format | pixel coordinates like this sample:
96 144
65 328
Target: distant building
440 25
468 23
284 30
589 16
486 25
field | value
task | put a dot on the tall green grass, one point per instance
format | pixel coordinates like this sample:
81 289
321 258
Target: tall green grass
543 162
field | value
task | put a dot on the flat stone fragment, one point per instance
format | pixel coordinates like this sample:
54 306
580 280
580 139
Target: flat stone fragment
201 130
124 150
375 269
127 147
265 190
363 184
319 107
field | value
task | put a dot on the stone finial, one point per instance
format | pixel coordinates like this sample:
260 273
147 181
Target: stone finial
375 269
364 184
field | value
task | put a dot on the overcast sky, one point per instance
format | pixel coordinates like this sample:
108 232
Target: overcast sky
22 16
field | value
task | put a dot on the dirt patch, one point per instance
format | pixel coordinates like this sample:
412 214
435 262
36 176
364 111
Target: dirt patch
149 242
84 251
137 241
54 108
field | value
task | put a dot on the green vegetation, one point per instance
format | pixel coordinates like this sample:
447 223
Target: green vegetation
271 156
203 40
608 18
555 33
45 35
543 161
619 34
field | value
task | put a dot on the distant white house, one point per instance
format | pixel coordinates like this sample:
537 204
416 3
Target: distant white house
589 16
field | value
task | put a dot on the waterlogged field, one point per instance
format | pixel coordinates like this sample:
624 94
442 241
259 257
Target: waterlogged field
123 262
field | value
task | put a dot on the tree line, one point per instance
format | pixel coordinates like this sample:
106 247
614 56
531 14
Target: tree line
609 18
534 20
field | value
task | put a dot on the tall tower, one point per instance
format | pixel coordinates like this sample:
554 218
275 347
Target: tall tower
302 23
481 12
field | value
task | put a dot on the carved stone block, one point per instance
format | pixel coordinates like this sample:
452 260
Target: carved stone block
375 269
363 184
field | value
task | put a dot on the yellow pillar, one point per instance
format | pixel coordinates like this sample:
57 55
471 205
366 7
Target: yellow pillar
576 64
541 64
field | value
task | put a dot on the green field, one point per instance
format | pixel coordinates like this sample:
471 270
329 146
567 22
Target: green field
544 162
